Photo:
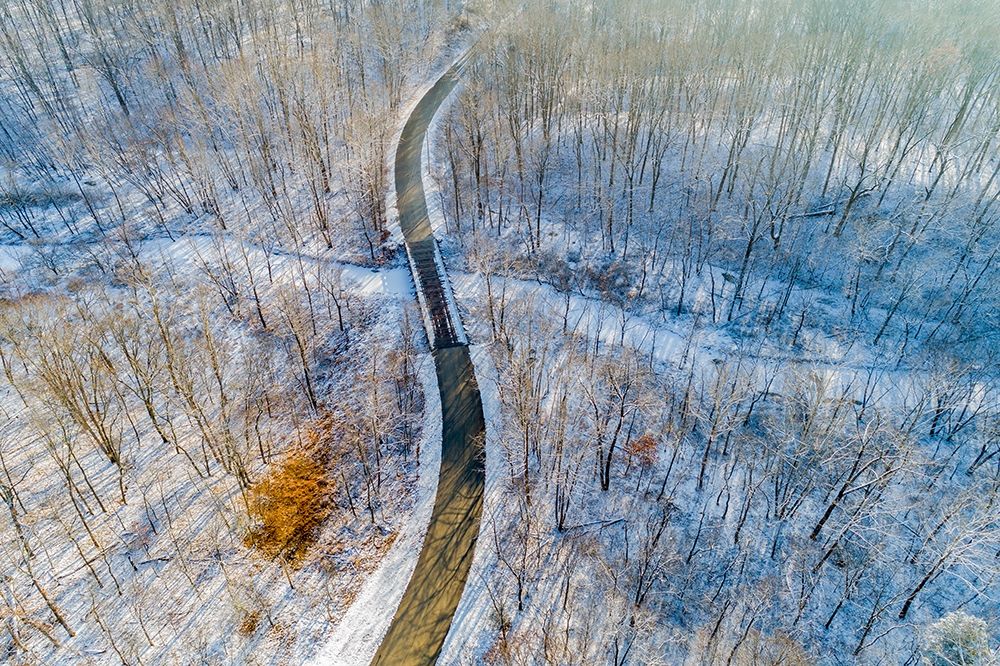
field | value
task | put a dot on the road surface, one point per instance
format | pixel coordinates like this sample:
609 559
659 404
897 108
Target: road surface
424 615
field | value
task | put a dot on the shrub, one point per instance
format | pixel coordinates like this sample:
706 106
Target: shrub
289 506
249 623
958 639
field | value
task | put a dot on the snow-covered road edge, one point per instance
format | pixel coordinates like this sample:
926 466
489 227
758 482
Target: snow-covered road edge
472 619
360 631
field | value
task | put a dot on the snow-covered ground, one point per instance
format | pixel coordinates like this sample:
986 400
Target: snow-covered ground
191 533
793 489
270 307
743 569
560 566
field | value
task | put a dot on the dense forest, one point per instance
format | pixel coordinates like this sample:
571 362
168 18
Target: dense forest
729 270
735 266
211 416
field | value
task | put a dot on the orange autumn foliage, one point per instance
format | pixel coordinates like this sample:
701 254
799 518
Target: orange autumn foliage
289 506
644 450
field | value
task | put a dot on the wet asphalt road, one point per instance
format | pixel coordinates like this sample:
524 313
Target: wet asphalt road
428 606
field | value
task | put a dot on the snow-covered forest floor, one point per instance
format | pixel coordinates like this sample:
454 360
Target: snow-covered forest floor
737 335
149 557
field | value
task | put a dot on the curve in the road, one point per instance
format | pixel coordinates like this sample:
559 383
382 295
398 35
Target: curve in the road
425 613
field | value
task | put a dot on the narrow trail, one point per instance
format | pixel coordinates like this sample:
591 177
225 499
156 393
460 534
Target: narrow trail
428 605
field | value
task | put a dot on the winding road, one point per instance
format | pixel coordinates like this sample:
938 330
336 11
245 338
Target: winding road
428 605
